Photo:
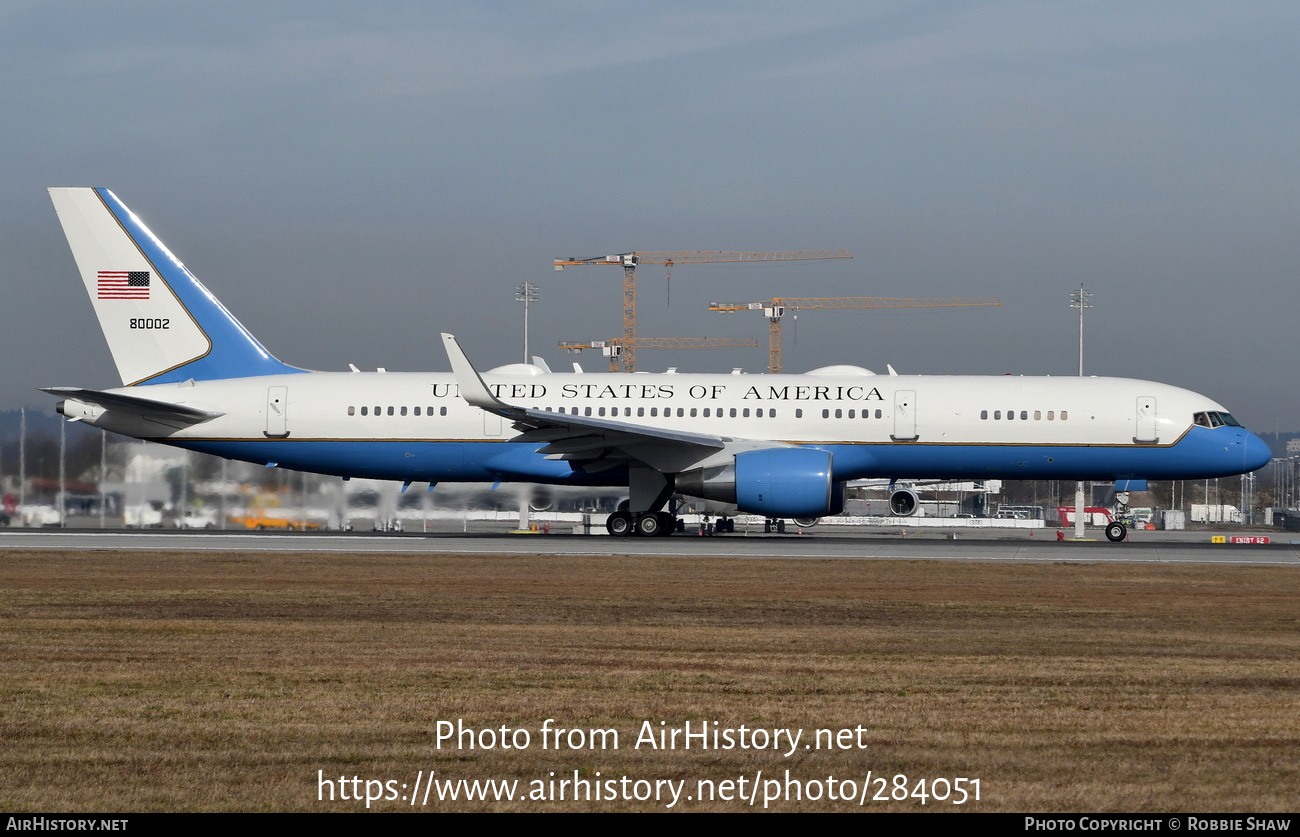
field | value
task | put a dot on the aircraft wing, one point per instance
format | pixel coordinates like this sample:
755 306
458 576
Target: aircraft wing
587 439
160 411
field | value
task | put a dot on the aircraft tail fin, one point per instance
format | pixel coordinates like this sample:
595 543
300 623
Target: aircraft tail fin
161 324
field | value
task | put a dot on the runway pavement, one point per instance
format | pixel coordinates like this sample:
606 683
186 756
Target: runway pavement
818 543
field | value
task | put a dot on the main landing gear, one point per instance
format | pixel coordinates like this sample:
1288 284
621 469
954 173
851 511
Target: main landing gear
1115 530
649 491
646 524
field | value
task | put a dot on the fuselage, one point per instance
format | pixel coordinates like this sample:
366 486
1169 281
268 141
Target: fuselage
777 445
417 427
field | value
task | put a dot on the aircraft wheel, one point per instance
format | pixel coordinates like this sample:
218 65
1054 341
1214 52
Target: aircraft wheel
619 524
1116 531
667 524
649 525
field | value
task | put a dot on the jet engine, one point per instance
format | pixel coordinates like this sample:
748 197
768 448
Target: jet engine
776 482
541 499
904 502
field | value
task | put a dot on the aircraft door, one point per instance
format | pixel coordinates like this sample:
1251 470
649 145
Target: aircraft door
277 412
905 416
491 424
1146 421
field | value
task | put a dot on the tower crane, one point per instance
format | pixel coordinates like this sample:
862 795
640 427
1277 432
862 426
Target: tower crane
629 262
774 309
614 349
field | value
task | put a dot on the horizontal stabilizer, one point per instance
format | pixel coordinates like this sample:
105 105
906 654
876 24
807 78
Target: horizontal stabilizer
162 411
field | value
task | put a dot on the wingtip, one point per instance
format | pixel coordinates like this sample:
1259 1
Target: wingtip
472 387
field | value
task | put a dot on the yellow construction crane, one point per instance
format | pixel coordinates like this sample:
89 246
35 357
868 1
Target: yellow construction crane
616 348
629 261
774 310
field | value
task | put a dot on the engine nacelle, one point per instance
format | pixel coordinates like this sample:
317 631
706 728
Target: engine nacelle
904 502
777 482
541 499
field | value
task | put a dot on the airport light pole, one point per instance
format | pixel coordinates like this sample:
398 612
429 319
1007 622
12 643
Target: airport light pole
22 464
103 469
526 292
1082 300
63 474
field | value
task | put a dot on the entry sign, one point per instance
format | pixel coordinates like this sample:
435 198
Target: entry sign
1240 539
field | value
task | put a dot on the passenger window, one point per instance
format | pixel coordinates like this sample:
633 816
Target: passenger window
1038 415
984 414
1024 415
798 413
997 414
403 411
826 413
692 412
1064 415
352 411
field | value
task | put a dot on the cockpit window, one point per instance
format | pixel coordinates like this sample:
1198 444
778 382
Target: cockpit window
1214 418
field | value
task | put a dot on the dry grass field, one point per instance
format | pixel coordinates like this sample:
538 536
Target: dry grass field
214 682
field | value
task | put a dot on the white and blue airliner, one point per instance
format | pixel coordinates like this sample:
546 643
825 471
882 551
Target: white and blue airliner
775 445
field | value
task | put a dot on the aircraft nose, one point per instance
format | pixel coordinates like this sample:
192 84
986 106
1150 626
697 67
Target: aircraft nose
1255 452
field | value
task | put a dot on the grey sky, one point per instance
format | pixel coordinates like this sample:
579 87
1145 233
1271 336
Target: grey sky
351 179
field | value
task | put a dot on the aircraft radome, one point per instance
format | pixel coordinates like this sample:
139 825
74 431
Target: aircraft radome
775 445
